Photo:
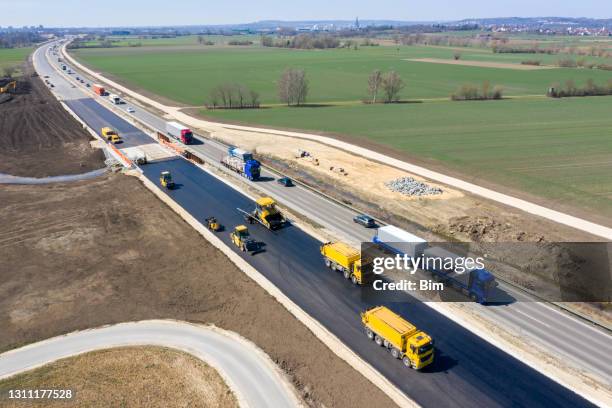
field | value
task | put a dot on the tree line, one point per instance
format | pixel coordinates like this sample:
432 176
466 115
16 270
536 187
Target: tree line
302 41
19 39
484 92
590 88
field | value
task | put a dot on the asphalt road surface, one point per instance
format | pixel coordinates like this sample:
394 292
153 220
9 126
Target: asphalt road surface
554 330
254 379
468 370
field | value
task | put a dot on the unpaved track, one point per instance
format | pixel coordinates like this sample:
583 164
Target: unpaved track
249 373
482 64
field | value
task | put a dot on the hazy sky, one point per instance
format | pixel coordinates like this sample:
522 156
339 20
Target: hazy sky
185 12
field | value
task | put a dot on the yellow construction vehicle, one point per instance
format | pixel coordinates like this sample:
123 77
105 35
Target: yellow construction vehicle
212 224
165 179
346 259
265 213
110 135
242 239
402 338
7 85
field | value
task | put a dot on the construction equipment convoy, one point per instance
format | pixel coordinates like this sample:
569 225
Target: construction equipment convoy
242 162
344 258
110 134
165 179
266 213
179 132
401 338
479 284
98 89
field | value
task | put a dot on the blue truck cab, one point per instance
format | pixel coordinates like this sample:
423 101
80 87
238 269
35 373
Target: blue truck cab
481 284
252 169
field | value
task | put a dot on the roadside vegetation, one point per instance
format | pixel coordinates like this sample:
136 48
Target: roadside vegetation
11 60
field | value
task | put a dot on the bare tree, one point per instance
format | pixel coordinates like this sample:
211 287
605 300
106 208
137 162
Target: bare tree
293 87
392 84
9 70
233 96
374 83
200 40
254 99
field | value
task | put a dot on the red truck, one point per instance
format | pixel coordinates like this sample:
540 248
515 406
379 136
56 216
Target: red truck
179 132
99 89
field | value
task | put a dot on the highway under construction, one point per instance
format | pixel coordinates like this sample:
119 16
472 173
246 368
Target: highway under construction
468 369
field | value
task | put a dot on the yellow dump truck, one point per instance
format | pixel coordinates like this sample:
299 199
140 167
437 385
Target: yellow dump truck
346 259
110 135
403 339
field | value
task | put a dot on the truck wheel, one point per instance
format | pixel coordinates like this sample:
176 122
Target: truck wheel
395 353
347 274
407 362
370 334
378 340
354 280
328 263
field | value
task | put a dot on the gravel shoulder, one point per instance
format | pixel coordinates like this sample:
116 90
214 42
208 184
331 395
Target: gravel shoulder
131 376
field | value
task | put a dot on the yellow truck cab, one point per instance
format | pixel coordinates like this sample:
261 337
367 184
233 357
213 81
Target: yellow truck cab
346 259
110 135
403 339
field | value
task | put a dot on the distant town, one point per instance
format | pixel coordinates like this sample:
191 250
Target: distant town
549 26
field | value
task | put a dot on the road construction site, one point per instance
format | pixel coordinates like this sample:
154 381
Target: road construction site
291 261
34 130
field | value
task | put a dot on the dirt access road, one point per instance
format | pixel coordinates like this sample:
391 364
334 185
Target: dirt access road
131 376
35 130
102 251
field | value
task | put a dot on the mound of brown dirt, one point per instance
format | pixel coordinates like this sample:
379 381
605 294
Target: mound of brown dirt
38 138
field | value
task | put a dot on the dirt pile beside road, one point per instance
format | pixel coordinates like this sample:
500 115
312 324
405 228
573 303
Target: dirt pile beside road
103 251
38 138
130 376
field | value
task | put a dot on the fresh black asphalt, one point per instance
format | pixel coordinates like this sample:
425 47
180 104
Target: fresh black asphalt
468 371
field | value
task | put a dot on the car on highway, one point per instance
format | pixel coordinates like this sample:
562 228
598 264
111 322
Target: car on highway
46 76
78 79
364 220
130 109
285 181
88 85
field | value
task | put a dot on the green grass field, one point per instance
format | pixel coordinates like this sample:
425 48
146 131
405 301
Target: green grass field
187 75
127 41
560 150
13 56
